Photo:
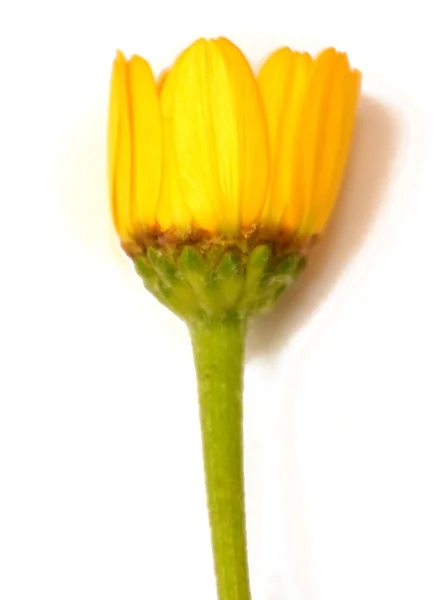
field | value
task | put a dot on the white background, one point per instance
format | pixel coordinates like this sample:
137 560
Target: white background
100 466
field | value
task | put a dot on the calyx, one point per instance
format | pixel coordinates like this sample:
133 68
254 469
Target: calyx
209 281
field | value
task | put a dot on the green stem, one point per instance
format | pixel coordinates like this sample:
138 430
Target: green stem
218 347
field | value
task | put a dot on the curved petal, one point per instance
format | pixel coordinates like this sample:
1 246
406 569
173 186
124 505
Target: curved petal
119 148
329 115
345 94
283 81
146 135
252 133
219 136
172 209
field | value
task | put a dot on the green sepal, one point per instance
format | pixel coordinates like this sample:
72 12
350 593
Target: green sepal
163 265
228 281
150 278
203 283
256 266
192 268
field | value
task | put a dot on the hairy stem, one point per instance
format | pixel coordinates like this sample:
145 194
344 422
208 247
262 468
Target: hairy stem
218 347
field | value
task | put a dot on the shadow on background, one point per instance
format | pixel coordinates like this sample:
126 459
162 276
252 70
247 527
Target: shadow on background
373 152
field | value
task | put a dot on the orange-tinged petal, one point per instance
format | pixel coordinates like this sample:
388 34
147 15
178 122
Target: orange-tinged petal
330 116
283 81
161 79
219 136
119 148
315 116
334 174
146 136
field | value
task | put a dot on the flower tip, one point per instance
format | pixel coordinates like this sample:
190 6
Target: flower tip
223 41
202 43
120 58
196 48
284 50
199 44
330 51
358 77
136 60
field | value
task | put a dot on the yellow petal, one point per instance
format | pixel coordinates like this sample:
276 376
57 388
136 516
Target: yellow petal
172 209
146 134
219 136
334 167
252 133
283 82
328 114
119 148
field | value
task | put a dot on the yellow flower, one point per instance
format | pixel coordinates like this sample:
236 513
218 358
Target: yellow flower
210 147
219 180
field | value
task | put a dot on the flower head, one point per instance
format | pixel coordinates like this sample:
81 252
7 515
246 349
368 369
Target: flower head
210 148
